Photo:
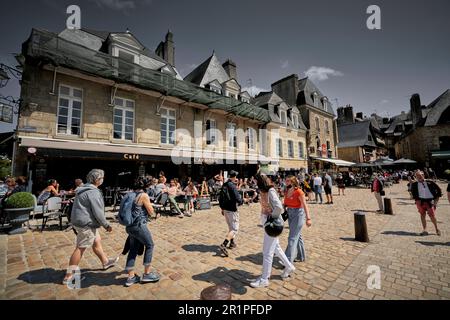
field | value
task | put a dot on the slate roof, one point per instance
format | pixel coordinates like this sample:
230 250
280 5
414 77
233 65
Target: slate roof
436 108
396 120
306 89
355 135
268 100
104 35
208 71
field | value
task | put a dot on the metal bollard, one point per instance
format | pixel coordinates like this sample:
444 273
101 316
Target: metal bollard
361 233
218 292
388 206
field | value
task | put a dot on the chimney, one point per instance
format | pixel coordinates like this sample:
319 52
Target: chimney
166 49
348 114
359 115
230 69
288 89
416 109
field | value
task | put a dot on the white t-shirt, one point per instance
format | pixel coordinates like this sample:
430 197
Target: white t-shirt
424 191
317 181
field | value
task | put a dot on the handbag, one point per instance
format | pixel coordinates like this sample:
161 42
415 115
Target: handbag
382 193
285 215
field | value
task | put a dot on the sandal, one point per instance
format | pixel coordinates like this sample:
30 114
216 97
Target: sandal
438 232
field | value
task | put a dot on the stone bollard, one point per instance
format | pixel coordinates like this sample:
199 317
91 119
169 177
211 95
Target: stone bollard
361 233
388 206
218 292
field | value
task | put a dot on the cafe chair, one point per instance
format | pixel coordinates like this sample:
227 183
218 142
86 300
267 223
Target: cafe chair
52 212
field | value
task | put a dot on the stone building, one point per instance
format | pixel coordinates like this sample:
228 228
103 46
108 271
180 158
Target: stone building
360 138
99 99
428 139
291 140
317 114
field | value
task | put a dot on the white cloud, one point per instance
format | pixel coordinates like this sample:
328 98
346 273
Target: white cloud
284 64
121 4
254 90
384 101
322 73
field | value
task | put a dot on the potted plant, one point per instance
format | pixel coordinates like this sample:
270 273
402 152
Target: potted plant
17 210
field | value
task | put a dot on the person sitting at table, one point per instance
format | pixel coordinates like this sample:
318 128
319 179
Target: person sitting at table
163 177
173 191
78 184
190 192
160 187
52 189
20 185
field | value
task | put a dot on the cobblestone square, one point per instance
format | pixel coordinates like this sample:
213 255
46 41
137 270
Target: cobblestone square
187 256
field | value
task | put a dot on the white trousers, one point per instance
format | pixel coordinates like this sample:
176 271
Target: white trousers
272 246
379 200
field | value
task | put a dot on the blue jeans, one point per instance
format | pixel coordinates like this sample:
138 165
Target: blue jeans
318 192
139 235
296 246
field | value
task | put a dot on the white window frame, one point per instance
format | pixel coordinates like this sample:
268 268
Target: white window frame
279 146
165 113
124 108
251 138
232 138
295 121
283 122
290 149
301 150
71 98
211 134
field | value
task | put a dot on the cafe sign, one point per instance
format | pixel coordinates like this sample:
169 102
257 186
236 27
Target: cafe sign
128 156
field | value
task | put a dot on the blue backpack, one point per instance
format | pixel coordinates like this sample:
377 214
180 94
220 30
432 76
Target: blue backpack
127 212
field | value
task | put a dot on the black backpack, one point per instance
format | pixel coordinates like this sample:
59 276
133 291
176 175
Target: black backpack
224 196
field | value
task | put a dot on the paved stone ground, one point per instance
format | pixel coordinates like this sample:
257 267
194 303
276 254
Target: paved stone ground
187 256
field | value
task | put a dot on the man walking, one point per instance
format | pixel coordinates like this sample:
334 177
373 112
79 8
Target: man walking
328 184
426 194
229 198
378 190
318 187
88 215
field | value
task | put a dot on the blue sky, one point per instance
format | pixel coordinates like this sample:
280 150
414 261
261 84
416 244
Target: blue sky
372 70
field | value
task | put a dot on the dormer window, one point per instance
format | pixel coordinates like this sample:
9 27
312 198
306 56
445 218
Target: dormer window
315 99
244 99
215 87
325 103
283 117
295 121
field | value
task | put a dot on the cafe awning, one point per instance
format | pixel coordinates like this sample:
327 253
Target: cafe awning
441 154
337 162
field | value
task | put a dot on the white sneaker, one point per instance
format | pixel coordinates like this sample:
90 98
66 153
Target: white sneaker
287 272
259 283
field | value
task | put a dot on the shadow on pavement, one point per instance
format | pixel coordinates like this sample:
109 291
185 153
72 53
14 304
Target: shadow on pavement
371 211
88 277
202 248
237 279
432 244
257 258
401 233
347 239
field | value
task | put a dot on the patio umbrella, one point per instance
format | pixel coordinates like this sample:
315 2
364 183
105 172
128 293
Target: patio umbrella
405 161
363 165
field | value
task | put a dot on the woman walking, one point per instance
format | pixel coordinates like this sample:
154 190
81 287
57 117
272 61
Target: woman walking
341 184
139 235
297 209
270 206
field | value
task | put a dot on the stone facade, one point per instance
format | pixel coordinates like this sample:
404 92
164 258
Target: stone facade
419 144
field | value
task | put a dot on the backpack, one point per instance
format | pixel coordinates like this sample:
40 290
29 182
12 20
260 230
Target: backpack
127 214
224 196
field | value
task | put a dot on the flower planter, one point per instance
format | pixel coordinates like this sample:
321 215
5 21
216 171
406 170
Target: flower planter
16 218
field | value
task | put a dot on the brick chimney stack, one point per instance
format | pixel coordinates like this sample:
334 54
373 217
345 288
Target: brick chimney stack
166 49
230 68
416 109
